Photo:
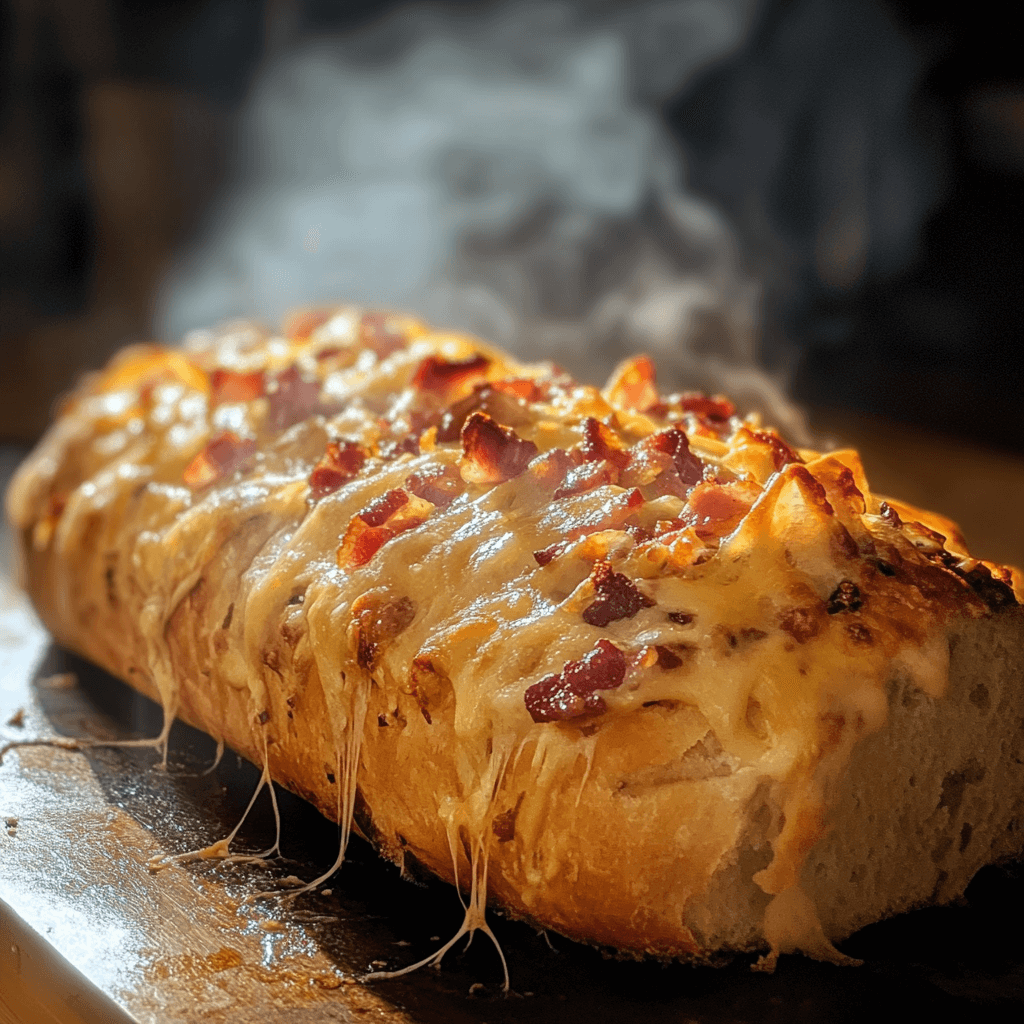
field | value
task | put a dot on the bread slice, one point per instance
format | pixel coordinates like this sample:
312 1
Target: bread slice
626 665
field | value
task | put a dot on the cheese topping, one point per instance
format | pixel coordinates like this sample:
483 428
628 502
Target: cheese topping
539 561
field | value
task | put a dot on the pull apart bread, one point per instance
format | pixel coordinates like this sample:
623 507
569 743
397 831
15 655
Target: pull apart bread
627 666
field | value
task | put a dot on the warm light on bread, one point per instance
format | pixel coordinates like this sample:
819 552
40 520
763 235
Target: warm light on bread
630 666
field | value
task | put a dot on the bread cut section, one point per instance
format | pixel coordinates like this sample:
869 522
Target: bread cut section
633 667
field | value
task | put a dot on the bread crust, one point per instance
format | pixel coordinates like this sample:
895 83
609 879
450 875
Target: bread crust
779 628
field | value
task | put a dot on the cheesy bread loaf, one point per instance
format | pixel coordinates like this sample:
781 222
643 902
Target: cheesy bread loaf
626 665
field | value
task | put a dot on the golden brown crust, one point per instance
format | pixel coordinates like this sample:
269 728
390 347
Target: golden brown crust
614 651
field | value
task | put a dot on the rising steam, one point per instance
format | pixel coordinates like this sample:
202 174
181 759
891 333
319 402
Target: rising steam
504 171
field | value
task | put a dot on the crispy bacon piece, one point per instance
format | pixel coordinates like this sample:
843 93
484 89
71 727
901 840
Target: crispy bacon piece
676 445
444 377
573 692
383 519
616 597
292 398
519 387
716 410
438 485
664 464
634 384
601 442
378 333
222 455
492 453
599 460
340 462
407 445
231 386
713 510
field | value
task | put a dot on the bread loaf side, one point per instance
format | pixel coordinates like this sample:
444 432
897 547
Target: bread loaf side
627 665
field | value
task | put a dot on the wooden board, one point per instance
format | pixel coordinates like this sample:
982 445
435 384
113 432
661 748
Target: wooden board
89 933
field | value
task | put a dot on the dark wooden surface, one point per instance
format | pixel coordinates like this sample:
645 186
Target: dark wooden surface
182 945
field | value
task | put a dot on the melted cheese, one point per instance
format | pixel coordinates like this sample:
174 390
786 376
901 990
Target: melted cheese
785 683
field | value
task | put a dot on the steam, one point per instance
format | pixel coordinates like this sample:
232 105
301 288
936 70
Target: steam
503 171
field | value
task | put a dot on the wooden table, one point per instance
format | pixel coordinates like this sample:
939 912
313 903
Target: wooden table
88 934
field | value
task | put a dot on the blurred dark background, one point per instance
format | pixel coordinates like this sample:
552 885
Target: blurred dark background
868 158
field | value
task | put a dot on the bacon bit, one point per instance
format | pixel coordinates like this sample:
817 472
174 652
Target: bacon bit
675 443
634 384
601 442
408 445
845 598
519 387
444 376
617 597
438 485
222 455
339 463
800 623
303 323
547 555
573 692
683 618
717 409
492 453
383 519
714 511
292 398
782 454
230 386
376 332
381 509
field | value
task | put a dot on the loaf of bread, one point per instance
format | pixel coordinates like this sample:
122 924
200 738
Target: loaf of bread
625 665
